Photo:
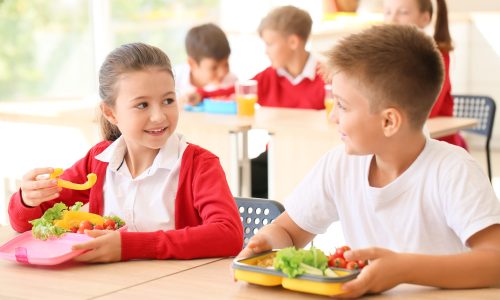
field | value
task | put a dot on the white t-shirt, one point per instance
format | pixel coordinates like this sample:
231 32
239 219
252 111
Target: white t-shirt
183 85
440 201
147 202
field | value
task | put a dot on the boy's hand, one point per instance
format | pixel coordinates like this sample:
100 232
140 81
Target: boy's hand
35 189
385 270
106 247
193 98
257 244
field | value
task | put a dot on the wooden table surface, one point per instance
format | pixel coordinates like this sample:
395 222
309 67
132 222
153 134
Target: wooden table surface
73 280
214 281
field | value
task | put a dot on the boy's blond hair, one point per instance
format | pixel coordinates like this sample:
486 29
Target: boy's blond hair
395 65
287 20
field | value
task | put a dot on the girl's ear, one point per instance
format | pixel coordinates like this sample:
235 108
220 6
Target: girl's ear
391 121
108 113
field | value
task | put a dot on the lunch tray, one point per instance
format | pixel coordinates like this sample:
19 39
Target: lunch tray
247 270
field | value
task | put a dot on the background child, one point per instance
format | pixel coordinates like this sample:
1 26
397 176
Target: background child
207 69
422 211
292 79
172 195
419 13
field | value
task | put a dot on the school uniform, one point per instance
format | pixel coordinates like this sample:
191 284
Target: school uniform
277 88
181 207
444 103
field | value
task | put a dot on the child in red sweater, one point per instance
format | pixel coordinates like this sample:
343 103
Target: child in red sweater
206 73
292 80
419 13
172 195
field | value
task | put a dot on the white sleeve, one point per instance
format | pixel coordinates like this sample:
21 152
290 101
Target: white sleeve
471 204
311 205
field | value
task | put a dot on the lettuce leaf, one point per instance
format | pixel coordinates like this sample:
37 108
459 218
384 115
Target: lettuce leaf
43 228
295 262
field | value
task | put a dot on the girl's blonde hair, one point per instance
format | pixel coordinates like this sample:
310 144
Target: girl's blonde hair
126 58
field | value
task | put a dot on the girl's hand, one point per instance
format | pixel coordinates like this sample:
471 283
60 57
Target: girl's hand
105 247
36 190
385 270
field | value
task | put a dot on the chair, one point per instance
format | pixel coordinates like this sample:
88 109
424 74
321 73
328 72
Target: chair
256 213
478 107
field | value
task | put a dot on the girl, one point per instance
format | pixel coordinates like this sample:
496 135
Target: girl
173 195
419 13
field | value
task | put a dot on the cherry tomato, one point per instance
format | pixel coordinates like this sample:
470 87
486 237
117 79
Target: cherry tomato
352 265
339 262
109 224
346 248
74 229
339 252
98 227
85 225
362 263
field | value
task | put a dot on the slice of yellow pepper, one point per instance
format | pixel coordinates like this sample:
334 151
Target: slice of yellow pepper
91 180
74 218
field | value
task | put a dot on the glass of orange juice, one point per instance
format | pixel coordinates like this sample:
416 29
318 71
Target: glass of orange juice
246 97
329 102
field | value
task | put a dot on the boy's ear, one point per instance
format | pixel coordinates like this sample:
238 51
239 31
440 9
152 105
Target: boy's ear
391 121
108 113
192 63
293 41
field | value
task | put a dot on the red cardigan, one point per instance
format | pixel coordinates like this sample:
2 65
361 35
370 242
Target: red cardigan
444 103
277 91
207 221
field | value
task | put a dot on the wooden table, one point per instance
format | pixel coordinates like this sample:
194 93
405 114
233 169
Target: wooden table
213 281
167 279
81 281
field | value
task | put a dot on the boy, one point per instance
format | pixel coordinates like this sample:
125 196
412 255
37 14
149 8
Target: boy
390 186
291 80
207 69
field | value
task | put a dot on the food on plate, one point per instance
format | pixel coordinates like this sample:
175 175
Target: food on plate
294 262
91 180
60 219
337 260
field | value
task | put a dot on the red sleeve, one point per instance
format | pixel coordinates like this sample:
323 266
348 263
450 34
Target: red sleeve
219 231
20 214
216 93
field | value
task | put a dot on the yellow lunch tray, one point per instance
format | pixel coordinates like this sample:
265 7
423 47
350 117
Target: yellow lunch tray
247 270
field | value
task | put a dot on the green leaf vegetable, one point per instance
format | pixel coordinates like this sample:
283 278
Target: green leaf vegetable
294 262
44 227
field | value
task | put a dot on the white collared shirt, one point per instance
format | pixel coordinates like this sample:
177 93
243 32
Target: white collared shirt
309 71
147 202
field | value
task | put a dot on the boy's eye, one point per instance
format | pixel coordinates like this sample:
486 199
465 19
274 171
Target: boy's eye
142 105
168 101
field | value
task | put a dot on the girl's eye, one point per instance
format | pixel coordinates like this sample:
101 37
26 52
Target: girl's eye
142 105
168 101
